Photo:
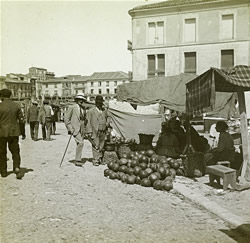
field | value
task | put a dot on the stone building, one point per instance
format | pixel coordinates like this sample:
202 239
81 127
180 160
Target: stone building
189 36
20 85
105 84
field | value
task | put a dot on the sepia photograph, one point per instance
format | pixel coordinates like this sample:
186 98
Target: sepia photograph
125 121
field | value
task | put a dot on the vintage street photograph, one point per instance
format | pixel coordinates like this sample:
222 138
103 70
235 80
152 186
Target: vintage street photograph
125 121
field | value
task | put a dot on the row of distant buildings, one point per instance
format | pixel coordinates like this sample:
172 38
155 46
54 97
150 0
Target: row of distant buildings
41 84
168 38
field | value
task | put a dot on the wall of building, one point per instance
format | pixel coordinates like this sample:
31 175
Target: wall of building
208 44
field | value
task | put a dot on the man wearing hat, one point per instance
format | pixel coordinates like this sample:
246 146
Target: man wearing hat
32 119
75 121
45 114
98 122
10 118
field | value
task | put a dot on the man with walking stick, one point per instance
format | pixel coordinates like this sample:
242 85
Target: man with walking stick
75 121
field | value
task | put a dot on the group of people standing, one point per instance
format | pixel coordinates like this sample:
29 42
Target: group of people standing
46 115
92 124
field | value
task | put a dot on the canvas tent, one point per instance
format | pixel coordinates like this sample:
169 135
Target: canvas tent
170 92
201 94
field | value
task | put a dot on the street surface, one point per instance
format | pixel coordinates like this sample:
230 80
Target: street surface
79 204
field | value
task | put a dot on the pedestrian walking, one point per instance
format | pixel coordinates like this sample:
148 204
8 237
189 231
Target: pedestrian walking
45 114
11 117
54 118
32 119
75 121
97 126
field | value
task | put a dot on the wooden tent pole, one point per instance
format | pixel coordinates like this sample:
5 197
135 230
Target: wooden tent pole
244 136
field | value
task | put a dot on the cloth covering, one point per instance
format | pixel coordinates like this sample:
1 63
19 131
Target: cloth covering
129 125
169 91
201 91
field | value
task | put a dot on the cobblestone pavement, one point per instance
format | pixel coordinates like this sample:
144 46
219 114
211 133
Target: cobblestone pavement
79 204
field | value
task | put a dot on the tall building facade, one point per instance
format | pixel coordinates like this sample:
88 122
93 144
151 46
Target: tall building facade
189 36
105 84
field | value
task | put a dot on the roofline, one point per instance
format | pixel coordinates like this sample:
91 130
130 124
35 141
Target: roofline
157 6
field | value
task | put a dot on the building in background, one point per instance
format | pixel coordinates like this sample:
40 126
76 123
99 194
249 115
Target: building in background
63 87
39 75
183 36
105 84
19 84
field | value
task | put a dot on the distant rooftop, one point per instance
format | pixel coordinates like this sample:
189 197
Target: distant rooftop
108 75
170 3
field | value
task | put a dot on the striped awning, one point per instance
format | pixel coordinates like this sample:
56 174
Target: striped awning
200 92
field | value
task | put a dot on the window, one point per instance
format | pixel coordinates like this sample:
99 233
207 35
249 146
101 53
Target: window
190 62
55 92
99 91
99 84
156 33
115 83
55 86
227 26
156 65
227 59
92 91
76 84
115 90
107 83
46 85
92 84
190 30
107 91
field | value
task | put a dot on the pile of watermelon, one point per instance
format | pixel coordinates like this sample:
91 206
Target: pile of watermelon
145 168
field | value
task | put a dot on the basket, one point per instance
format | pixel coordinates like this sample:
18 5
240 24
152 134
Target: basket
123 148
109 146
193 161
109 156
146 138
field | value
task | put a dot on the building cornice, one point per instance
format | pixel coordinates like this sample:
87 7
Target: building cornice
192 6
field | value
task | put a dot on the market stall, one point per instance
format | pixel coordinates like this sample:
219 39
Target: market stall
201 97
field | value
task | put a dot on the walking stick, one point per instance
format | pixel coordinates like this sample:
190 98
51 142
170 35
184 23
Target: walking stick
66 149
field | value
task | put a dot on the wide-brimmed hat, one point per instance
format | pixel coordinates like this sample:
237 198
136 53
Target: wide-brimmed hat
80 97
45 102
99 99
34 102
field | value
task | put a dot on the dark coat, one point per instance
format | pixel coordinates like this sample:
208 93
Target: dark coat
10 118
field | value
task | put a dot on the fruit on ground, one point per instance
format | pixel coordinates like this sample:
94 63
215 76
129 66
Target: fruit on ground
123 168
107 172
167 186
143 174
115 167
146 182
131 179
153 177
158 185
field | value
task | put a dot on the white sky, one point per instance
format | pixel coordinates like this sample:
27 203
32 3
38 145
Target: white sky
66 37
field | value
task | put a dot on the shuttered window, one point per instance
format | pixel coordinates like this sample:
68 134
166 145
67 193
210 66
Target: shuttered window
227 59
161 65
156 33
156 65
151 66
190 62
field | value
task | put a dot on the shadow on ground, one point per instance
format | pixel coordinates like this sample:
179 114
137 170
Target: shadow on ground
241 234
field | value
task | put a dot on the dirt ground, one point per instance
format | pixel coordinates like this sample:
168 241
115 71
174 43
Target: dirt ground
79 204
